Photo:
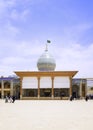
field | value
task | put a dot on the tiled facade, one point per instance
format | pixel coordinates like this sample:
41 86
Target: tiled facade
9 86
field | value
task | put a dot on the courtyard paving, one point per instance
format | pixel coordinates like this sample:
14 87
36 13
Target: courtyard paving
46 115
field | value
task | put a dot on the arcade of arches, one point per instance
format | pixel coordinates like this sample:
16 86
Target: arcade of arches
9 87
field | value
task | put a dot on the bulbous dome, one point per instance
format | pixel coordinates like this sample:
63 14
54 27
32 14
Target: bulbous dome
46 62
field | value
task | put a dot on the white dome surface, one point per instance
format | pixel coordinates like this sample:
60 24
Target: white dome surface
46 62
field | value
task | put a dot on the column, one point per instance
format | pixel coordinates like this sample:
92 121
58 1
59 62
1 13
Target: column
2 89
80 88
52 78
86 89
21 87
38 87
70 89
11 88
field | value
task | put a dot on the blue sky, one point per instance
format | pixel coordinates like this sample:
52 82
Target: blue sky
25 26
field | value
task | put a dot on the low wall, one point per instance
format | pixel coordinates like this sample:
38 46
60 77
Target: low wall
45 98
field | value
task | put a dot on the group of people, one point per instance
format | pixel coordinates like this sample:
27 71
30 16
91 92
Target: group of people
10 99
86 98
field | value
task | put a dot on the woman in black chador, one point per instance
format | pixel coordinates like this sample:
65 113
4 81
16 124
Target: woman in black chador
13 98
86 98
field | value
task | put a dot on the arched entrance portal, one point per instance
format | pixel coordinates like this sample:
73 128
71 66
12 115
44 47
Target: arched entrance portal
75 91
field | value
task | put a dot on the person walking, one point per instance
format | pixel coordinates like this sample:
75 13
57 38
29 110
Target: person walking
6 99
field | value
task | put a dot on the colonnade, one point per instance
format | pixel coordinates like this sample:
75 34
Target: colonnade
52 87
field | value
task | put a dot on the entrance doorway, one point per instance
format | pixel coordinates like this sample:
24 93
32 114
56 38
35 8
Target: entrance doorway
74 94
45 92
75 91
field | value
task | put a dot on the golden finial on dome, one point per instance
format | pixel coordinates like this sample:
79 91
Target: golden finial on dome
48 41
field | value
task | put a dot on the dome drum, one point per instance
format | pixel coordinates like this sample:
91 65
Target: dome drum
46 67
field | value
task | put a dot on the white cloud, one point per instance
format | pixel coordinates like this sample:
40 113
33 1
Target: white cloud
19 56
24 56
20 16
20 51
10 29
75 57
5 5
76 31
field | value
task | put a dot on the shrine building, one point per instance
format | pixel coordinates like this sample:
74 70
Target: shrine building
46 83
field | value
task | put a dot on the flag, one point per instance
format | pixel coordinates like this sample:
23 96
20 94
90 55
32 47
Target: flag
48 41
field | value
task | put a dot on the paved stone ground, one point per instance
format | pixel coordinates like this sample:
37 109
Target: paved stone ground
46 115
